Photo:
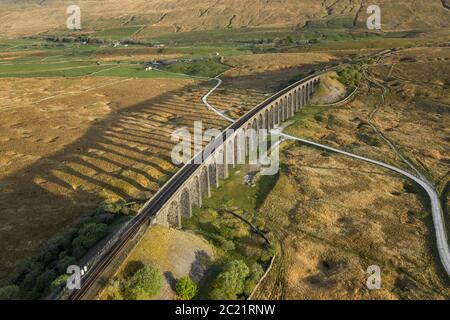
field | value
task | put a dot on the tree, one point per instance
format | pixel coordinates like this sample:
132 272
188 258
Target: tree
147 281
256 272
186 288
60 281
9 292
229 284
89 234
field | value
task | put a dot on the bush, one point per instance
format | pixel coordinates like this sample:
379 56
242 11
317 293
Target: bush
147 281
60 281
90 234
229 284
256 272
202 68
64 262
227 245
9 292
42 284
350 76
186 288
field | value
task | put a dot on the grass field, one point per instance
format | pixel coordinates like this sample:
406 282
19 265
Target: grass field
117 33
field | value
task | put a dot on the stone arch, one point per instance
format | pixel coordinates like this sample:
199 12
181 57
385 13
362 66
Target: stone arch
270 117
290 104
300 97
196 198
307 92
260 121
173 215
285 108
213 179
247 139
266 119
204 182
185 203
240 144
294 100
230 153
304 95
220 163
277 113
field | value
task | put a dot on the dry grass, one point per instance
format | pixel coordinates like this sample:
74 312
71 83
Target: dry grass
333 218
61 157
417 111
170 16
261 63
330 89
176 253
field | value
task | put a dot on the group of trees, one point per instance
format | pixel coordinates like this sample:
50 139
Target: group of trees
35 277
201 68
147 281
236 280
350 76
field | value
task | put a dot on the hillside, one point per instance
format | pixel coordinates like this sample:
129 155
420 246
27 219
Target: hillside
149 19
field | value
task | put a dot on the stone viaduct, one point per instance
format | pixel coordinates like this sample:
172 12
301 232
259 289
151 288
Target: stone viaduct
191 184
197 186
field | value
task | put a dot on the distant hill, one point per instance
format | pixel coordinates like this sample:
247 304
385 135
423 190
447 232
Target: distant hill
151 18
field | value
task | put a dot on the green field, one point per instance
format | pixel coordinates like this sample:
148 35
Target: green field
117 33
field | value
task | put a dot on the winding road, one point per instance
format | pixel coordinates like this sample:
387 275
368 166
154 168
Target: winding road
207 104
438 216
436 208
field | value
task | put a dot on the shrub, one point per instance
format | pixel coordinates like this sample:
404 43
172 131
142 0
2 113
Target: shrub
42 283
256 272
9 292
60 281
90 234
64 262
145 281
78 251
229 284
186 288
111 207
350 76
227 245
